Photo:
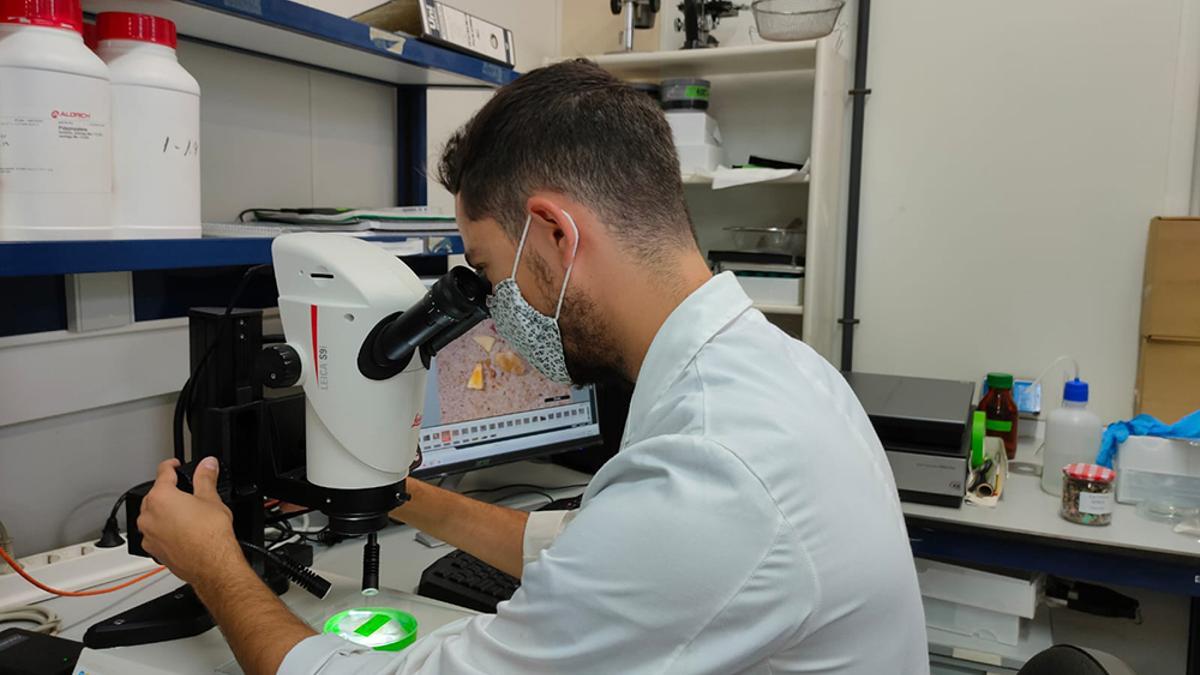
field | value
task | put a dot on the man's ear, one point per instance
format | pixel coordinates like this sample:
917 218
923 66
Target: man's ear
548 213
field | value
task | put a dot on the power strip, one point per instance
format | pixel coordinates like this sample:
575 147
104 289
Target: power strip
70 568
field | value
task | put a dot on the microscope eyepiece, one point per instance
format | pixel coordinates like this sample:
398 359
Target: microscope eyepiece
453 306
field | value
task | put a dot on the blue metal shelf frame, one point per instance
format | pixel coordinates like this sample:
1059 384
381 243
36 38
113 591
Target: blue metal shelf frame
1176 575
46 258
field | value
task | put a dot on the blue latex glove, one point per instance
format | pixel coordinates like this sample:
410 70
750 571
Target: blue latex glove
1144 425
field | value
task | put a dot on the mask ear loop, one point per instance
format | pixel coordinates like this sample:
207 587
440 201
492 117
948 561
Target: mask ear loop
566 278
521 247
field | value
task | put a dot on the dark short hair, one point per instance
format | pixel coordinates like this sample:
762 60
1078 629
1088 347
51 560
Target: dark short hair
573 128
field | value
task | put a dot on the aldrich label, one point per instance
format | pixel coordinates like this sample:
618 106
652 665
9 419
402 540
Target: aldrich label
55 136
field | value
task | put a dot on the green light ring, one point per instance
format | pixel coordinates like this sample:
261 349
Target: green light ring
408 624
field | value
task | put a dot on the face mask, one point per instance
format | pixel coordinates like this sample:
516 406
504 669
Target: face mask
532 334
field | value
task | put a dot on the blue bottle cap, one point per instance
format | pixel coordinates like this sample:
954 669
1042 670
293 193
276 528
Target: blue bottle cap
1076 390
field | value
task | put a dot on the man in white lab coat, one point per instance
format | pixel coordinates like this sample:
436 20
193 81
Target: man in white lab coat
749 523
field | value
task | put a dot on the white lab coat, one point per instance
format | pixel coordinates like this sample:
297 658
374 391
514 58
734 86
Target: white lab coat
749 524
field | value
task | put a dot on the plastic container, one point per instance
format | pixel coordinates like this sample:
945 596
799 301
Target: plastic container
693 127
1072 436
685 93
1018 594
787 240
1162 470
1087 494
156 129
1001 411
650 89
698 158
55 152
975 622
791 20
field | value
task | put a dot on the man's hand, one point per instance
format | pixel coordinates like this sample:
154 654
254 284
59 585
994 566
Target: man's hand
191 534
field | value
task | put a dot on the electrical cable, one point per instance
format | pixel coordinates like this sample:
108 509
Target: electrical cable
183 404
284 542
74 594
110 535
300 575
43 620
528 486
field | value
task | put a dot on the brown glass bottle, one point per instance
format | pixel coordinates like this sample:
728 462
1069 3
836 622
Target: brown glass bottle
1001 411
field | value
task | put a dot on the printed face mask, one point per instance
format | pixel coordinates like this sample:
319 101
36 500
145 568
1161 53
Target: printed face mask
533 335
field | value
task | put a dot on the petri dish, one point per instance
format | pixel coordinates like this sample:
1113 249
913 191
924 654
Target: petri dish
380 628
1166 512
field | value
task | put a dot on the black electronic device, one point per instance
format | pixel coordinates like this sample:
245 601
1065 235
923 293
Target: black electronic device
924 425
700 18
24 652
460 578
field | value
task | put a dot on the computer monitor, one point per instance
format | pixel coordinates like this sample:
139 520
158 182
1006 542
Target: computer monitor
486 405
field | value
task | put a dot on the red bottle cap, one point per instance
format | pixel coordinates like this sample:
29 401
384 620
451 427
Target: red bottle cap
1090 472
89 35
65 14
141 27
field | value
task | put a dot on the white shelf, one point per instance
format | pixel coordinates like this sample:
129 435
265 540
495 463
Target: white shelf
700 179
767 308
748 60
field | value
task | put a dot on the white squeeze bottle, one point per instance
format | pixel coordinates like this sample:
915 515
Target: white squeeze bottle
1072 435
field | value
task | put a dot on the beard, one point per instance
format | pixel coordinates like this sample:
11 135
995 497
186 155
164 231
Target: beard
589 349
591 353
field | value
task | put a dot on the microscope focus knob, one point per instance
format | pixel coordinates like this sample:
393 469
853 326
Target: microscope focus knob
279 366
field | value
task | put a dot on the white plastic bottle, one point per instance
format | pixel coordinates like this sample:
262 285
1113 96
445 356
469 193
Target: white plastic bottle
55 153
1072 436
156 129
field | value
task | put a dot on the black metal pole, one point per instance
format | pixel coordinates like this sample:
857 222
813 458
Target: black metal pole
859 92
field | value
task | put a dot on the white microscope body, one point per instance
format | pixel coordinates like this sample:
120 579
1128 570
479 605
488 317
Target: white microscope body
333 290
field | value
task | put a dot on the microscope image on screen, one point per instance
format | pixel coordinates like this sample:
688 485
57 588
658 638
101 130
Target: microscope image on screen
480 375
485 404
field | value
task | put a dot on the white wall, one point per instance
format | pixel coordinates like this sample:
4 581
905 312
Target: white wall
446 110
276 134
1014 154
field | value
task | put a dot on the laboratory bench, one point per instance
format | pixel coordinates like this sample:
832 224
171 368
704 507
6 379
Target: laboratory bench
402 559
1023 532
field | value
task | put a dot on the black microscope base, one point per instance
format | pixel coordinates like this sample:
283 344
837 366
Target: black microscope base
174 615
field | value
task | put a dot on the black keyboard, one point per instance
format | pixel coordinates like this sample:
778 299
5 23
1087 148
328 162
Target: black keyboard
460 578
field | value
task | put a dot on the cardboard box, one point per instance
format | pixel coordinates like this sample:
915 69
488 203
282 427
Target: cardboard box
1168 382
438 22
1171 289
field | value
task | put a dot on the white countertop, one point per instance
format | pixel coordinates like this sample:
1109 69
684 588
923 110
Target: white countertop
402 560
1026 510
